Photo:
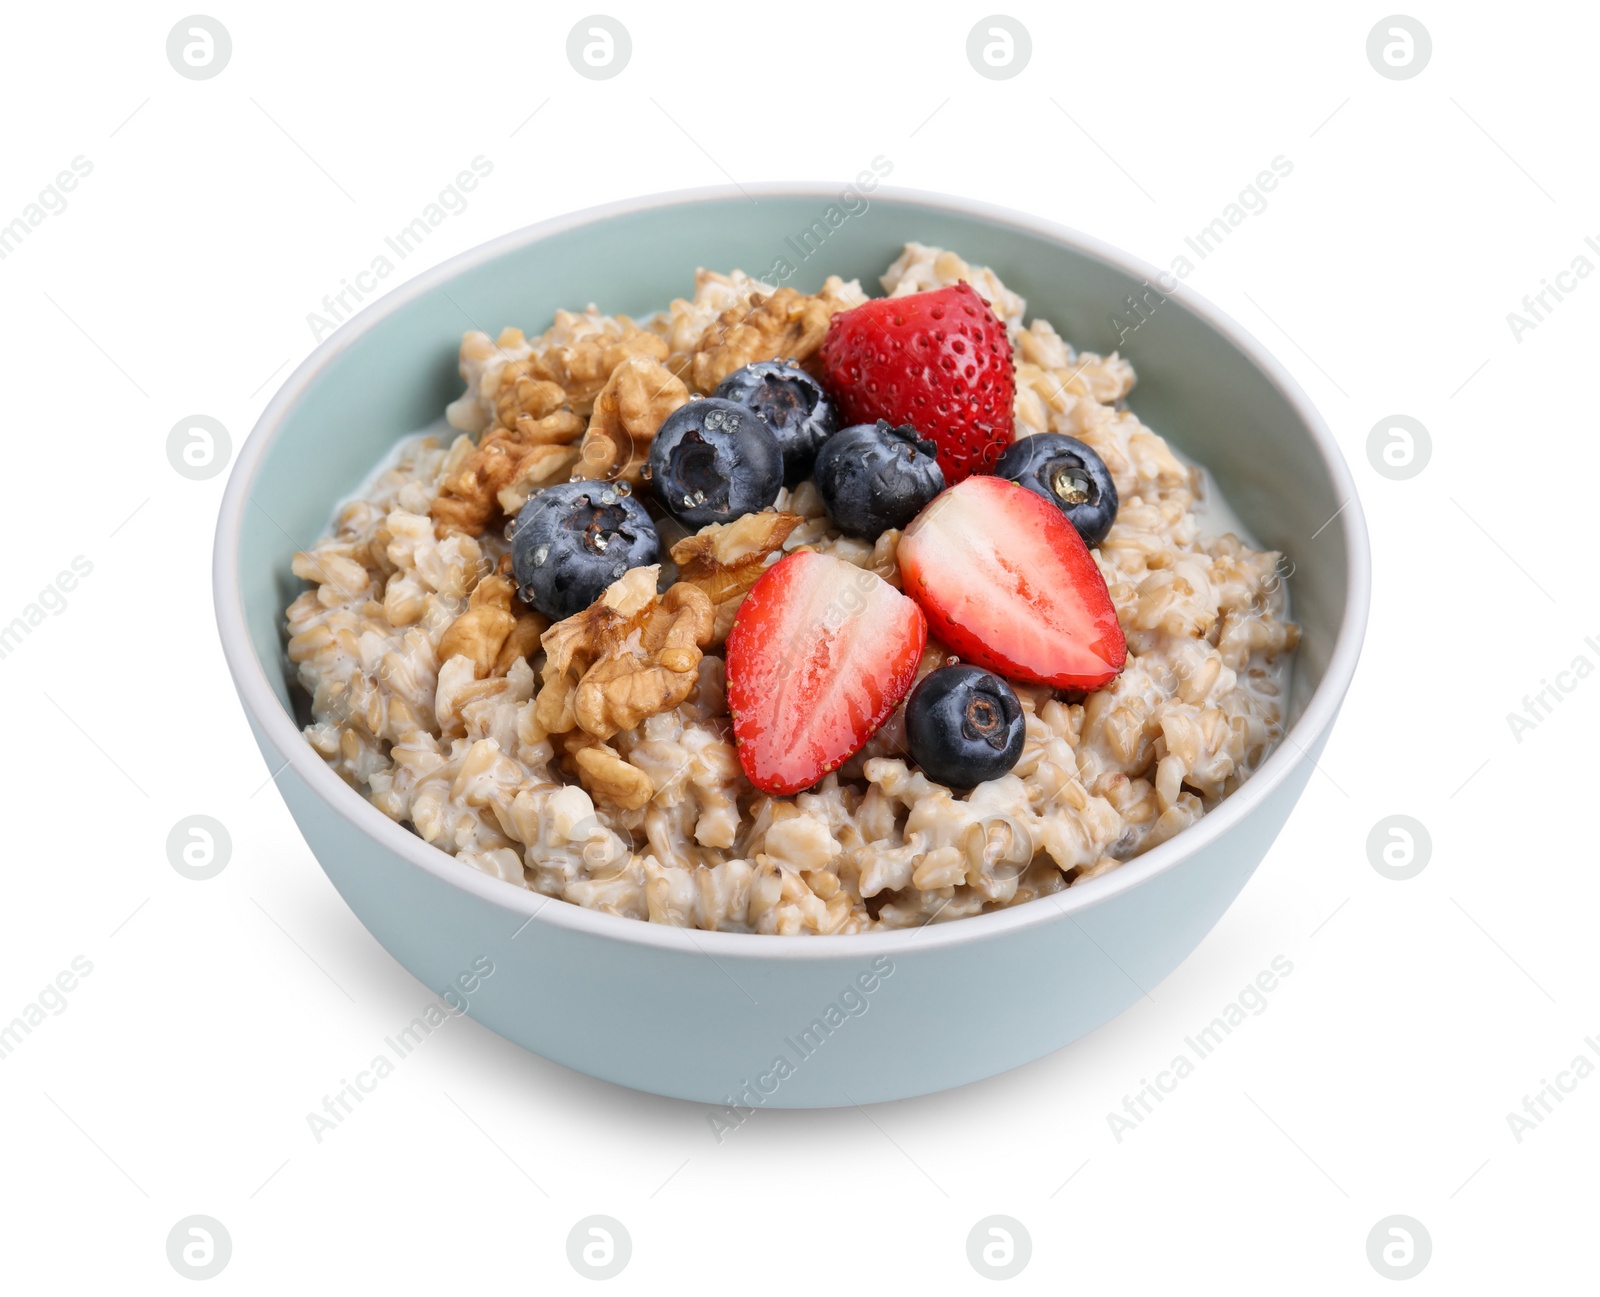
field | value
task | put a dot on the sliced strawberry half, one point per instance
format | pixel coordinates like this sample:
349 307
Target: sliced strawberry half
819 655
1008 584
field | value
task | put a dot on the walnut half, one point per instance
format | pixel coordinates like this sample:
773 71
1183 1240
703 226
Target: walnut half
638 396
630 654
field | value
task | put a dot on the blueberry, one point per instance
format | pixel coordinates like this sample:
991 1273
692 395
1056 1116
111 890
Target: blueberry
872 477
713 461
790 402
964 726
572 540
1069 475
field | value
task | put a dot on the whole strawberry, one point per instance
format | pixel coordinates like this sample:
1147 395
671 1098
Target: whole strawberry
940 361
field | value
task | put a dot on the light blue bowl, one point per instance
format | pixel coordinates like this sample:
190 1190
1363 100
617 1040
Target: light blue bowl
708 1015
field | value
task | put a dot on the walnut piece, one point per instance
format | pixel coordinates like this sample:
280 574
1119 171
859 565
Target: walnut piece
512 375
786 324
630 654
640 393
726 559
547 456
507 465
522 394
582 366
603 772
492 632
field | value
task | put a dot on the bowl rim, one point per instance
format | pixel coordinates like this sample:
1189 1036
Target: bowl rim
277 725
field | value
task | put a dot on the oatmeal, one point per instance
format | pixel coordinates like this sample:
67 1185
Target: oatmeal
520 638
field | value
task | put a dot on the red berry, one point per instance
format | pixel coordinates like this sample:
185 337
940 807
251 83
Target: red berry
940 361
1007 583
819 655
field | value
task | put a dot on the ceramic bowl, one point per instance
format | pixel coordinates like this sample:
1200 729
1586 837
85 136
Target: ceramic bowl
736 1018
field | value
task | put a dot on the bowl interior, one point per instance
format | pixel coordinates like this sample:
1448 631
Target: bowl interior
395 371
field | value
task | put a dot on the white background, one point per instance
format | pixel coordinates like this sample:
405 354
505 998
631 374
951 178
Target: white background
1419 1013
